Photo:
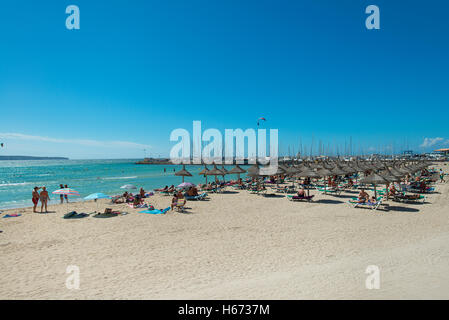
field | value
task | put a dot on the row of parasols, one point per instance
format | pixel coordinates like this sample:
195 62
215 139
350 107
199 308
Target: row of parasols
376 172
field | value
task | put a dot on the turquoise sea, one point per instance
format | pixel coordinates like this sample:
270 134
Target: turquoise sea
18 178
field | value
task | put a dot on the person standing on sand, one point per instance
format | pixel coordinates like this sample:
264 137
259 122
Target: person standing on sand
442 176
61 196
35 198
43 196
65 196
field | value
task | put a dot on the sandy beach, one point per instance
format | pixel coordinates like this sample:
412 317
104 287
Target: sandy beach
236 245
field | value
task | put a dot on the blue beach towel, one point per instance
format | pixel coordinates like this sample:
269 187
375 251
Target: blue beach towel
12 216
155 211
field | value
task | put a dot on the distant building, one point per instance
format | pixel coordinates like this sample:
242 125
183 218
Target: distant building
444 151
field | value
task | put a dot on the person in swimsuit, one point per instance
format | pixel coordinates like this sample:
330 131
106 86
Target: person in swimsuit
43 197
65 196
61 196
363 196
35 198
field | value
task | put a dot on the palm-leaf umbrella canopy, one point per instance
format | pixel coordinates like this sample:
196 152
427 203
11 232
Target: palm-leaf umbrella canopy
236 170
375 179
323 172
338 171
215 172
183 173
253 171
307 173
204 173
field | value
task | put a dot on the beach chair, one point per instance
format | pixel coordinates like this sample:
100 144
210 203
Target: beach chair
198 197
404 198
367 205
330 191
298 198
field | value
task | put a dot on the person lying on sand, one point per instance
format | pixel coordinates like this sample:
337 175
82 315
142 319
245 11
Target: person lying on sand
161 190
171 189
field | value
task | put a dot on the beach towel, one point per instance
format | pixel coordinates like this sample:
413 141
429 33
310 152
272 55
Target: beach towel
75 215
12 215
156 211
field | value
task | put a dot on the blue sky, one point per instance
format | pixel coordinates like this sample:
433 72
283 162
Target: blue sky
136 70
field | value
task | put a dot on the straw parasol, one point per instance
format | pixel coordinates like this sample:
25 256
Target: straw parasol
375 179
183 173
215 172
236 170
204 173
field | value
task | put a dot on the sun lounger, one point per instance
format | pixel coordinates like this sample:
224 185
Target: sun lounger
330 190
198 197
368 205
298 198
407 198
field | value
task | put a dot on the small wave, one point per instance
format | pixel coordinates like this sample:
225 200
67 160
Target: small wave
14 184
119 178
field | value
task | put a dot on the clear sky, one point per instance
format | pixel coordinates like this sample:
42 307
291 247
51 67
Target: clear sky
136 70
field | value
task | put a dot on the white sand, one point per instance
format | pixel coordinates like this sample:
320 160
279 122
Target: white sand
235 246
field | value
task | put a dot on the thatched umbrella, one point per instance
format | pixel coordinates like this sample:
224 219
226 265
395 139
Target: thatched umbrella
307 173
204 173
375 179
323 172
183 173
215 172
236 170
224 170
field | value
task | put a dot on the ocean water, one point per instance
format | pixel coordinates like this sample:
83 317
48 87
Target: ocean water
18 178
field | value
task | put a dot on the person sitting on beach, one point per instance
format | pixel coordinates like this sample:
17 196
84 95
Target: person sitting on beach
372 200
422 187
301 193
392 191
180 195
142 193
363 196
43 197
162 190
190 192
174 201
35 198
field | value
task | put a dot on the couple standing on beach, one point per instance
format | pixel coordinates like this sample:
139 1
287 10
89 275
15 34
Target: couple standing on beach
62 196
42 196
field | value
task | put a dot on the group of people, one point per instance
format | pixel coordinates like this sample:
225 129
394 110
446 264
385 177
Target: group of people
128 197
44 197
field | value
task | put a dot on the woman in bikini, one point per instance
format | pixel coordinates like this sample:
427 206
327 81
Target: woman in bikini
43 197
35 198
